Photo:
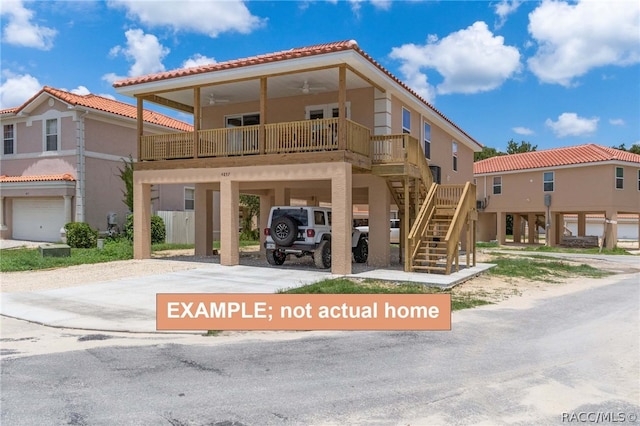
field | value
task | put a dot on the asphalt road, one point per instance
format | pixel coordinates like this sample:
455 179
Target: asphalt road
572 354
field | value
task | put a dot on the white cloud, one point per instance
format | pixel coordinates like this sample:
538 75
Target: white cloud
197 60
80 90
569 124
523 131
144 50
575 38
211 18
504 9
17 89
616 121
471 60
21 31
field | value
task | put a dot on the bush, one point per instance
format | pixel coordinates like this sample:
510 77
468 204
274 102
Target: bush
81 235
158 231
250 235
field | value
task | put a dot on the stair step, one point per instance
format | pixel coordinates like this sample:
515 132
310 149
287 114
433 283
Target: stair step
430 268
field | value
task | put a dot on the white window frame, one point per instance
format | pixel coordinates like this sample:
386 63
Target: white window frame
552 182
638 179
406 130
327 110
454 155
45 135
193 191
13 139
619 179
426 140
495 185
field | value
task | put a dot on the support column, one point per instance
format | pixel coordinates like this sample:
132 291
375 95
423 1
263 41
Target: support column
229 222
517 228
265 208
559 228
582 224
203 212
611 234
3 226
341 219
68 217
379 220
141 219
551 234
501 230
533 228
282 196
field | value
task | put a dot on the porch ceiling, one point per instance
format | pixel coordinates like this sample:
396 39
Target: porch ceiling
278 86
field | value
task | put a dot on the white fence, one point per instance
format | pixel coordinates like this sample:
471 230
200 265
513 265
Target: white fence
180 226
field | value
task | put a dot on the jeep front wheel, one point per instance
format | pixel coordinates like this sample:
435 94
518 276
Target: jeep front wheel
276 257
361 251
322 255
284 231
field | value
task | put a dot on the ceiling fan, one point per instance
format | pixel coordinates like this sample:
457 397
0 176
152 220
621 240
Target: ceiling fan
306 88
213 100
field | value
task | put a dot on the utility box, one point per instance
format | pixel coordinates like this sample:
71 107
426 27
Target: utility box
55 250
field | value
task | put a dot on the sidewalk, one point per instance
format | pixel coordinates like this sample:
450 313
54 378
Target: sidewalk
129 304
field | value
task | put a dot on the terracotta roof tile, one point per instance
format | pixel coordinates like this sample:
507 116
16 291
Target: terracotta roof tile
109 105
39 178
8 110
581 154
295 53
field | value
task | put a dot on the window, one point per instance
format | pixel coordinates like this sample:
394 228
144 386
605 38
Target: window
189 198
317 112
51 135
619 178
8 140
454 150
427 140
497 185
318 217
406 121
548 180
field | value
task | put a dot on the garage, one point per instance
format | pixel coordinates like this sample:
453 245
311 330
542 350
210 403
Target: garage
38 219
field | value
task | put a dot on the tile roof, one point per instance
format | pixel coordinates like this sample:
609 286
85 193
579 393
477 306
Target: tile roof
295 53
107 105
40 178
572 155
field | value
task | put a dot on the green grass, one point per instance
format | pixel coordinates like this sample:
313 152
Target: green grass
347 286
593 250
541 268
482 244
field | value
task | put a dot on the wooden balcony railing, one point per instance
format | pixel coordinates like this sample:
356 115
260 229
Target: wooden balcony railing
389 149
288 137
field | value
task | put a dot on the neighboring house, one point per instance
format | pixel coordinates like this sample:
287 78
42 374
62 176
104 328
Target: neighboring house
323 124
60 162
541 187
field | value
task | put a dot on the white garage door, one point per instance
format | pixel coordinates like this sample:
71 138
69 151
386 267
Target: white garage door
38 219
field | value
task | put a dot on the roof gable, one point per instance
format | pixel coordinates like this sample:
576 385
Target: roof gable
565 156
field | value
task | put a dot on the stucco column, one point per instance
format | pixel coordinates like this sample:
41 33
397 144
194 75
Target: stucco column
501 227
3 226
611 234
282 196
533 228
203 212
265 208
517 230
229 222
68 217
379 222
341 219
552 235
141 219
582 224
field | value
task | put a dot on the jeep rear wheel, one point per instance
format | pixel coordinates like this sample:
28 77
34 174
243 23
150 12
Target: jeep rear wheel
361 251
276 257
322 255
284 230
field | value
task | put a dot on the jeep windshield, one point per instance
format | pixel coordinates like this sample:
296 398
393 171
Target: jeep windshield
299 215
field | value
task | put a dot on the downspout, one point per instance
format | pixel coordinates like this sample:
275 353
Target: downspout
80 169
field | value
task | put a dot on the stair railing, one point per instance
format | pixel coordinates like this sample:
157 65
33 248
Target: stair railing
419 227
465 204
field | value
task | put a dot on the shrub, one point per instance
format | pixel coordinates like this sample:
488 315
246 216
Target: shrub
80 235
250 235
158 231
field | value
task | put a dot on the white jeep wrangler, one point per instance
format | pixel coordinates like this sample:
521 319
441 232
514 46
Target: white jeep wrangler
306 231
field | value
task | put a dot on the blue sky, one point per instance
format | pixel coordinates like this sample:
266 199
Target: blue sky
553 73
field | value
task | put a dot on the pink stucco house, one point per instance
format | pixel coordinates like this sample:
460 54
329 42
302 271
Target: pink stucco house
60 158
323 124
538 189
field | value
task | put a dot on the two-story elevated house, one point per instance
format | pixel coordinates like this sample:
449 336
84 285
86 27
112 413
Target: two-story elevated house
60 162
324 123
539 188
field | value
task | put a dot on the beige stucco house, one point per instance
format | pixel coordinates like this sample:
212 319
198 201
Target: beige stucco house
324 124
60 162
580 181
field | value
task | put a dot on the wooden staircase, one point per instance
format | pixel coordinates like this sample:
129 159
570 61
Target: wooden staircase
432 216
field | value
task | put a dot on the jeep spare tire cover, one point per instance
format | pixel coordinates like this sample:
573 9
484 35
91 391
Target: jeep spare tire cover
284 230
